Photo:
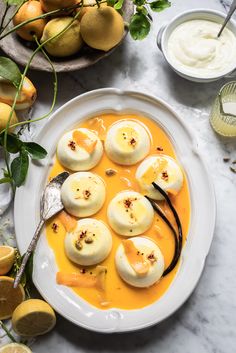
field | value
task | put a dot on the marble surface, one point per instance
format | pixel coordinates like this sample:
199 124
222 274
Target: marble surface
207 321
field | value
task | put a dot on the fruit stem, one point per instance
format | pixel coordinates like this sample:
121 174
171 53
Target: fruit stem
3 16
10 19
8 333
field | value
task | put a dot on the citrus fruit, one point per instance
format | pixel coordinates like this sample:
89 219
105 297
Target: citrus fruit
15 348
7 256
5 110
10 297
102 28
67 43
33 317
27 11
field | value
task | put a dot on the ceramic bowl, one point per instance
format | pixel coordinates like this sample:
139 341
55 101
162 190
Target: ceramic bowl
20 51
199 14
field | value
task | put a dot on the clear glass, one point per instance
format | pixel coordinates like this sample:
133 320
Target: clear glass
223 113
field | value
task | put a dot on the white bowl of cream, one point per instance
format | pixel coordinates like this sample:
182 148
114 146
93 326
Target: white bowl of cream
190 45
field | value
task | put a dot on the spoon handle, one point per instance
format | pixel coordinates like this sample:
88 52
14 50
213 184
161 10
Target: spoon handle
31 248
228 17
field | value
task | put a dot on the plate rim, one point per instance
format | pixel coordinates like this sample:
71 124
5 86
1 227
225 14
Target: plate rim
167 107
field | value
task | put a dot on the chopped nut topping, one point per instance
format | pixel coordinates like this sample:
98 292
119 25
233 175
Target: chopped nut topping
159 148
83 234
133 142
110 172
151 257
127 203
72 145
78 245
86 194
88 240
55 227
233 169
226 159
164 175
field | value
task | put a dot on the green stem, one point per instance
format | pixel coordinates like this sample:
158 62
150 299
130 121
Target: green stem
12 16
3 16
8 333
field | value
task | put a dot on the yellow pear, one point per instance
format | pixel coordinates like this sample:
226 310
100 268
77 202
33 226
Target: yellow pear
51 5
102 28
26 97
5 111
65 44
29 10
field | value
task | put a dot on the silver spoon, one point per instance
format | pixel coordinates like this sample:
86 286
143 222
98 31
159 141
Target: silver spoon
49 206
228 17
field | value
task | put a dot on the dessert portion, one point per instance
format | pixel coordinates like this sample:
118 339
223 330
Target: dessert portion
130 213
162 170
89 243
127 142
83 194
79 150
139 262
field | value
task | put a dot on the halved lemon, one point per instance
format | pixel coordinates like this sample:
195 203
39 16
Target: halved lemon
7 257
33 317
15 348
10 297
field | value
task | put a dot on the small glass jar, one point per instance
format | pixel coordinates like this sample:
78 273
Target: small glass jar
223 113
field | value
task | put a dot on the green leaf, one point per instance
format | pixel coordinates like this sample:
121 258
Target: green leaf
13 143
119 4
13 2
10 71
159 5
19 168
111 2
139 26
5 180
35 150
139 2
142 9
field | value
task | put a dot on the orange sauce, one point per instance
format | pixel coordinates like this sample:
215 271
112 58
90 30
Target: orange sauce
118 294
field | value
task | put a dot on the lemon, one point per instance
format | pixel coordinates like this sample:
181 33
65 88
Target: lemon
33 317
67 43
7 257
10 297
5 110
15 348
102 28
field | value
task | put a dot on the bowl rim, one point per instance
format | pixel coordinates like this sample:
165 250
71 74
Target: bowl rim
183 15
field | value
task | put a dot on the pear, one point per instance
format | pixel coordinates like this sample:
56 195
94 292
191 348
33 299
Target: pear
29 10
102 28
65 44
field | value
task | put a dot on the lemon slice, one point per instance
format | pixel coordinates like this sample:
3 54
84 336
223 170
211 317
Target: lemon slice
10 297
15 348
33 317
7 256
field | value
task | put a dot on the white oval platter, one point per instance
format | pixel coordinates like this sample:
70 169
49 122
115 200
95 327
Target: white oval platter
203 212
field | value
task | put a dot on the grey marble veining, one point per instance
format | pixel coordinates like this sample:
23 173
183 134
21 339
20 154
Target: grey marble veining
207 321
